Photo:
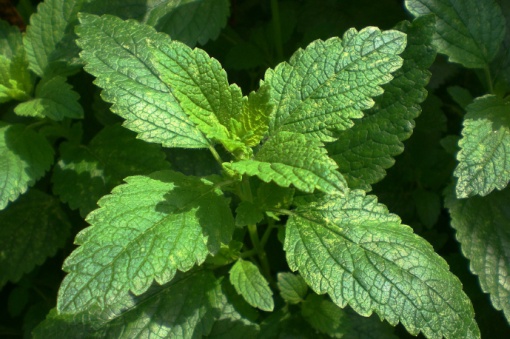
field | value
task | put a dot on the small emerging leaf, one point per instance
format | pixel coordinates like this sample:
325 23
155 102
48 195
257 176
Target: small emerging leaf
251 284
292 287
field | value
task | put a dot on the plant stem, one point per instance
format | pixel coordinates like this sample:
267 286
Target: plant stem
277 31
215 154
488 78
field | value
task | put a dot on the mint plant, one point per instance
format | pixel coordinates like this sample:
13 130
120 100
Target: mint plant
227 177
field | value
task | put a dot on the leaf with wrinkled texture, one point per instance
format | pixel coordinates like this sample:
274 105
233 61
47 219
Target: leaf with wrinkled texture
251 284
352 248
323 87
117 53
292 287
25 156
469 32
291 159
27 239
482 230
146 230
484 156
366 150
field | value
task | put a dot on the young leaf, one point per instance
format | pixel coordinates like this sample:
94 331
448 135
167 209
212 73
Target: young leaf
364 151
86 173
117 53
330 82
50 37
484 158
186 307
468 32
482 230
292 159
292 287
247 213
146 230
27 239
24 157
55 99
251 284
201 87
324 316
352 248
190 21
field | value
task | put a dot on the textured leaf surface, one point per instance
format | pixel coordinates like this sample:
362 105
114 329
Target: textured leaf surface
55 99
27 239
251 284
191 21
484 158
352 248
324 316
330 82
186 307
117 53
24 157
146 230
86 173
482 230
248 213
290 159
468 32
201 86
364 151
49 40
292 287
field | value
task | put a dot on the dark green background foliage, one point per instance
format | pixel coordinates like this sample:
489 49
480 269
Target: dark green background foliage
255 169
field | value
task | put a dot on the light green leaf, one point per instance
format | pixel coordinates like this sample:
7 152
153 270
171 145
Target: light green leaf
293 288
186 307
468 32
201 87
324 316
86 173
146 230
27 239
330 82
247 213
251 284
191 21
352 248
24 158
117 53
55 99
292 159
364 151
484 157
49 40
482 230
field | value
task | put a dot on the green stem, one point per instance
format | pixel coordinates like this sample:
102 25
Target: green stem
488 78
277 31
215 154
267 233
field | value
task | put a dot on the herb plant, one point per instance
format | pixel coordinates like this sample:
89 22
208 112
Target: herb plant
261 184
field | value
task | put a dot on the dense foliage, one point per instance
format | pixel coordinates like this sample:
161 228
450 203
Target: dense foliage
255 169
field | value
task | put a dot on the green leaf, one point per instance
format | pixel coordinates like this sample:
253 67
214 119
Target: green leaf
117 52
49 40
482 230
24 158
330 82
186 307
33 228
146 230
201 87
251 284
292 159
86 173
364 151
293 288
191 21
247 213
469 32
484 158
428 206
15 78
323 315
352 248
55 99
